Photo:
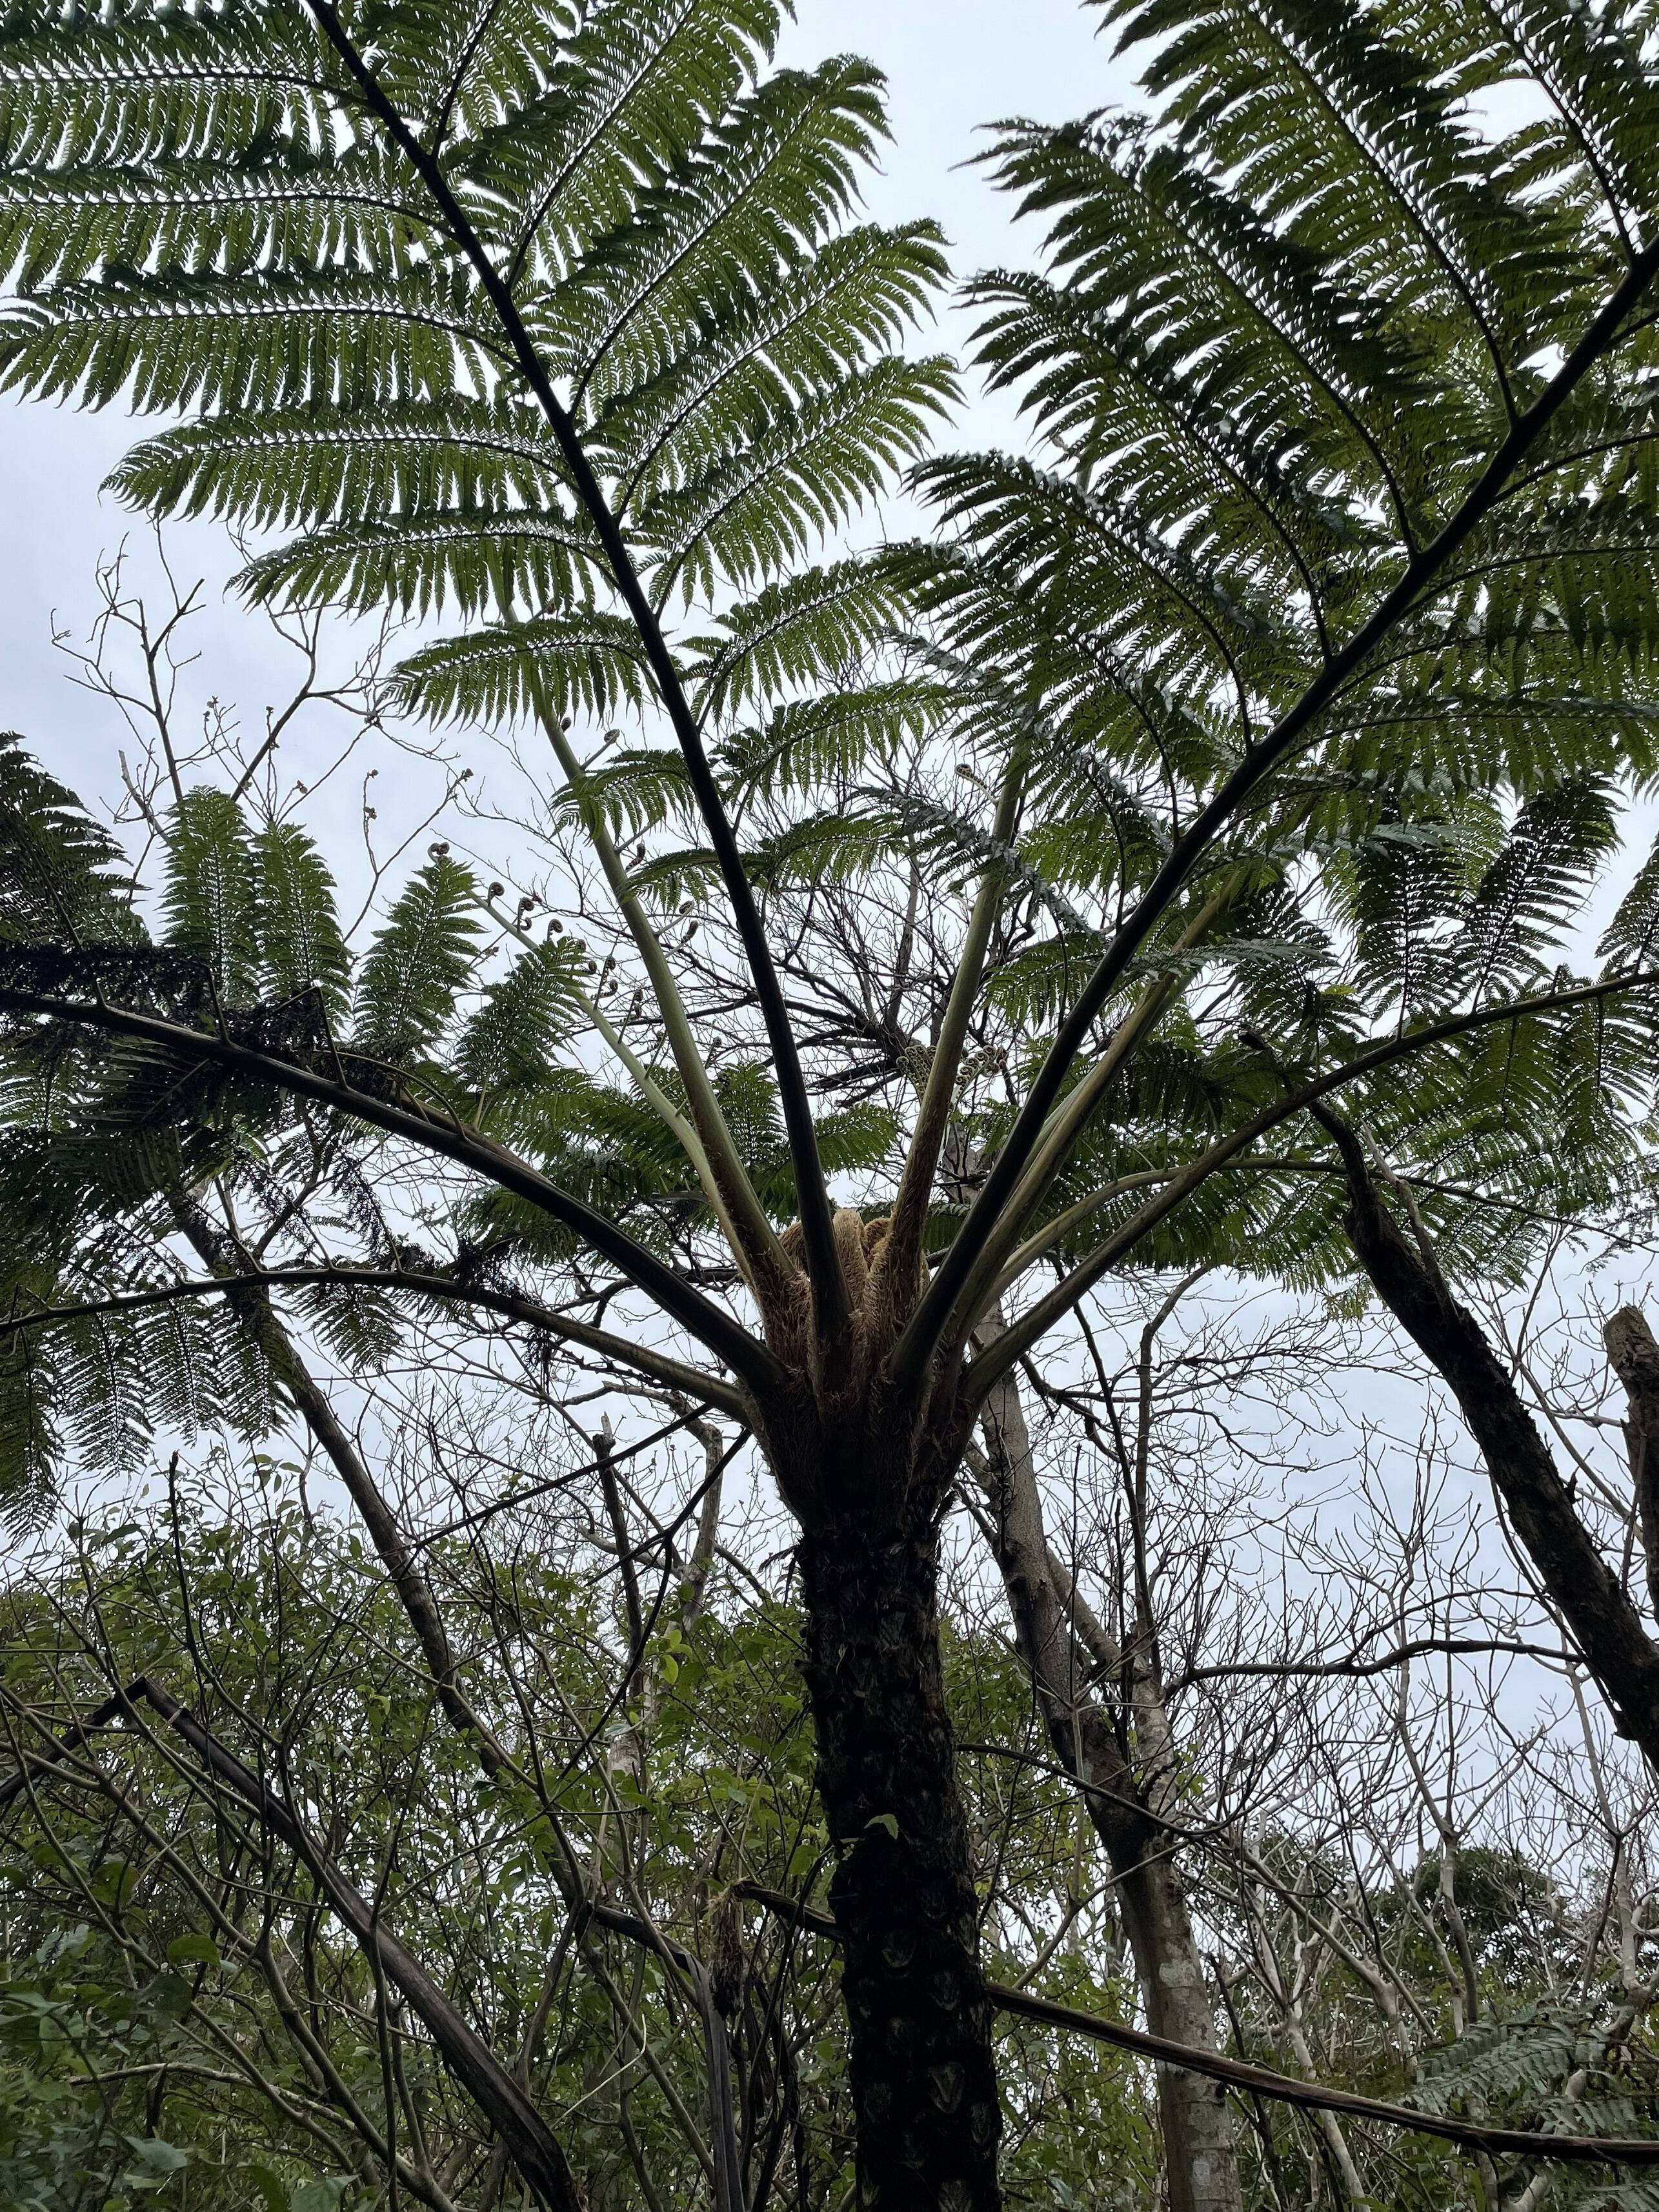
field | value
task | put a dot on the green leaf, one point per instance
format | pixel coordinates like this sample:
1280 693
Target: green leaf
193 1950
154 2160
323 2193
417 965
272 2189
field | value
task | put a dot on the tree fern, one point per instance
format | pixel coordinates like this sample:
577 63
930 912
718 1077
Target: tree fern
1251 739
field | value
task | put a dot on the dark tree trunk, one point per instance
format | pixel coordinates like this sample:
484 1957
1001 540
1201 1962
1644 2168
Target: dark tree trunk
923 2076
1604 1623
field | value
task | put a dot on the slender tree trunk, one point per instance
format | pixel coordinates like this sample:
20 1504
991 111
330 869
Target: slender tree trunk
1634 1356
1198 2150
923 2076
1594 1604
294 1378
1199 2153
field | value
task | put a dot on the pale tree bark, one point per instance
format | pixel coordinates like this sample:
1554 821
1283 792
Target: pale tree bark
1055 1635
1289 2001
1634 1356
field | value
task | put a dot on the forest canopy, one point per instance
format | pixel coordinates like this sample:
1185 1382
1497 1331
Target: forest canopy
872 1425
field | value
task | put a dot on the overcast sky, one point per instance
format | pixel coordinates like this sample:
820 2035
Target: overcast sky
953 65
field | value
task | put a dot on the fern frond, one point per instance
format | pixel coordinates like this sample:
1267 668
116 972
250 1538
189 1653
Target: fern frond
587 662
62 875
834 738
417 965
208 895
322 465
468 561
800 631
296 928
800 476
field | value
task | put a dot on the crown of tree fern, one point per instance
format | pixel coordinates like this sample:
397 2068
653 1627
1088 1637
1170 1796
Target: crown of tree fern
557 320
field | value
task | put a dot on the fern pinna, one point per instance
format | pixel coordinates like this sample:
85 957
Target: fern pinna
1300 671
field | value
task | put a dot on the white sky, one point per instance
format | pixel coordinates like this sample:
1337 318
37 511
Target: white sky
951 69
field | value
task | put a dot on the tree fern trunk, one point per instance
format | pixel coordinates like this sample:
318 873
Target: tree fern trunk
923 2077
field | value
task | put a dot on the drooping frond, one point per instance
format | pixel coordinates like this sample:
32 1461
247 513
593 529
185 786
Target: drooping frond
809 629
588 662
418 963
209 898
295 926
61 874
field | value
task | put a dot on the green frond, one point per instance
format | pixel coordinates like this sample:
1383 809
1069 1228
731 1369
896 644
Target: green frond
1603 112
171 341
750 354
1188 621
1533 886
208 894
296 927
320 464
1173 434
505 1050
805 629
137 87
468 561
1631 937
833 737
667 880
1138 221
31 1434
839 846
586 662
62 875
1374 164
673 218
633 789
802 475
286 201
417 965
774 176
637 84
